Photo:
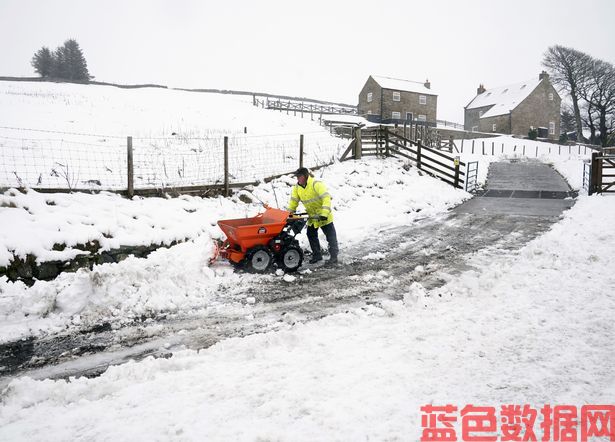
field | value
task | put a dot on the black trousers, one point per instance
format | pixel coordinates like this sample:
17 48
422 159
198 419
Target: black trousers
330 234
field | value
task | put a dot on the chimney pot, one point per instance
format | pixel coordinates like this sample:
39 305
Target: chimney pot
427 84
542 75
481 89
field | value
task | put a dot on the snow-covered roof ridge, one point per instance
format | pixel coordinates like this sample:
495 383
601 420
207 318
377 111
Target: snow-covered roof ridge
503 98
399 84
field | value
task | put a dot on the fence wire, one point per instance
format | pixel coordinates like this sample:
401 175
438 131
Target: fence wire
61 164
157 162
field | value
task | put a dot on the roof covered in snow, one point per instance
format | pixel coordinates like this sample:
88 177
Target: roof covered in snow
503 99
403 85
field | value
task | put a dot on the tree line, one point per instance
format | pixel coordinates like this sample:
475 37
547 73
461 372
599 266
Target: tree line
65 63
590 84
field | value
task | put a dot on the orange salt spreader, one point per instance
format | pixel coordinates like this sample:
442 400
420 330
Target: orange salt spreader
263 241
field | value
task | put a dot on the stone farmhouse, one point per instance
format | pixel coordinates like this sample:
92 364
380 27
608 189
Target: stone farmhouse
515 109
391 100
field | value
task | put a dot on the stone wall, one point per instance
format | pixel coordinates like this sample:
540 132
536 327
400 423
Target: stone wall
538 111
374 106
28 270
472 117
502 124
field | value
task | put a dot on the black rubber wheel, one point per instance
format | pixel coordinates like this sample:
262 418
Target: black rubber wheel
258 260
290 259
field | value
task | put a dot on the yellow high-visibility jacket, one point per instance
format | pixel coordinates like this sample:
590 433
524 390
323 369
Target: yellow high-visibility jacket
315 199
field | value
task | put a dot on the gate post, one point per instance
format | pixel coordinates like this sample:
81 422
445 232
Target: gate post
418 154
457 173
595 184
386 141
358 147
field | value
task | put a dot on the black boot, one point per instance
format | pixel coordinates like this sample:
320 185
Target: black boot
314 259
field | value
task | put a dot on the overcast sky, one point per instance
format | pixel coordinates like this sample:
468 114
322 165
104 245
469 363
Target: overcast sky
314 48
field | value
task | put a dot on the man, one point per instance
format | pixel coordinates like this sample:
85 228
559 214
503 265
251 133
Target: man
317 202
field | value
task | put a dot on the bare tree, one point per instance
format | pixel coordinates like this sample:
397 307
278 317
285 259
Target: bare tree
569 70
599 93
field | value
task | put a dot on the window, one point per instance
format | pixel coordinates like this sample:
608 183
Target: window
551 128
523 87
396 115
396 96
370 97
369 112
422 118
493 128
474 128
408 116
422 99
480 114
551 96
504 91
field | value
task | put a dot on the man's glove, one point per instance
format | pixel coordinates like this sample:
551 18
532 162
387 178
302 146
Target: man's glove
322 218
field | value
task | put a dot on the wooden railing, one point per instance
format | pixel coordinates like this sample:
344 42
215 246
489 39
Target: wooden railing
302 107
381 141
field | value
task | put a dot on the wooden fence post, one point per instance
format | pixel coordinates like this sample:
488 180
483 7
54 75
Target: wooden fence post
472 146
595 184
301 150
358 146
386 141
131 185
418 154
456 172
492 148
483 148
226 175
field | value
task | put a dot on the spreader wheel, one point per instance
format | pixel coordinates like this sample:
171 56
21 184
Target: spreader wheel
258 260
290 258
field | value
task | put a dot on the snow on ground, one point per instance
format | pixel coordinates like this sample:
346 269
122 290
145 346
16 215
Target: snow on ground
532 326
367 195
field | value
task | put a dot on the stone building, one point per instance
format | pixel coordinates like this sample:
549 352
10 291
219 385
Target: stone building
391 100
515 109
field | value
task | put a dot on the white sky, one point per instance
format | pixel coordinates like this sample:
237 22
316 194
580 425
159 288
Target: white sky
319 49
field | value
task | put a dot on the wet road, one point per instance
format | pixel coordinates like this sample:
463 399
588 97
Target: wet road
522 200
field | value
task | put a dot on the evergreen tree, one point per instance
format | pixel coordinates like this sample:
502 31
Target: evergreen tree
65 63
75 61
42 62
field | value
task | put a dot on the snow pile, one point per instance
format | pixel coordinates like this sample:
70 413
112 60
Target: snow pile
511 332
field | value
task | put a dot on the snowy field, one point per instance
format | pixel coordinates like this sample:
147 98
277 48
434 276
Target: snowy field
75 136
530 326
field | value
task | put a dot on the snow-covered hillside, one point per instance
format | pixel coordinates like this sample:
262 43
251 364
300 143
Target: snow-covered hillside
67 135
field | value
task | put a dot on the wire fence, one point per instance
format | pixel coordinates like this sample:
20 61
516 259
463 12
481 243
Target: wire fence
98 162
